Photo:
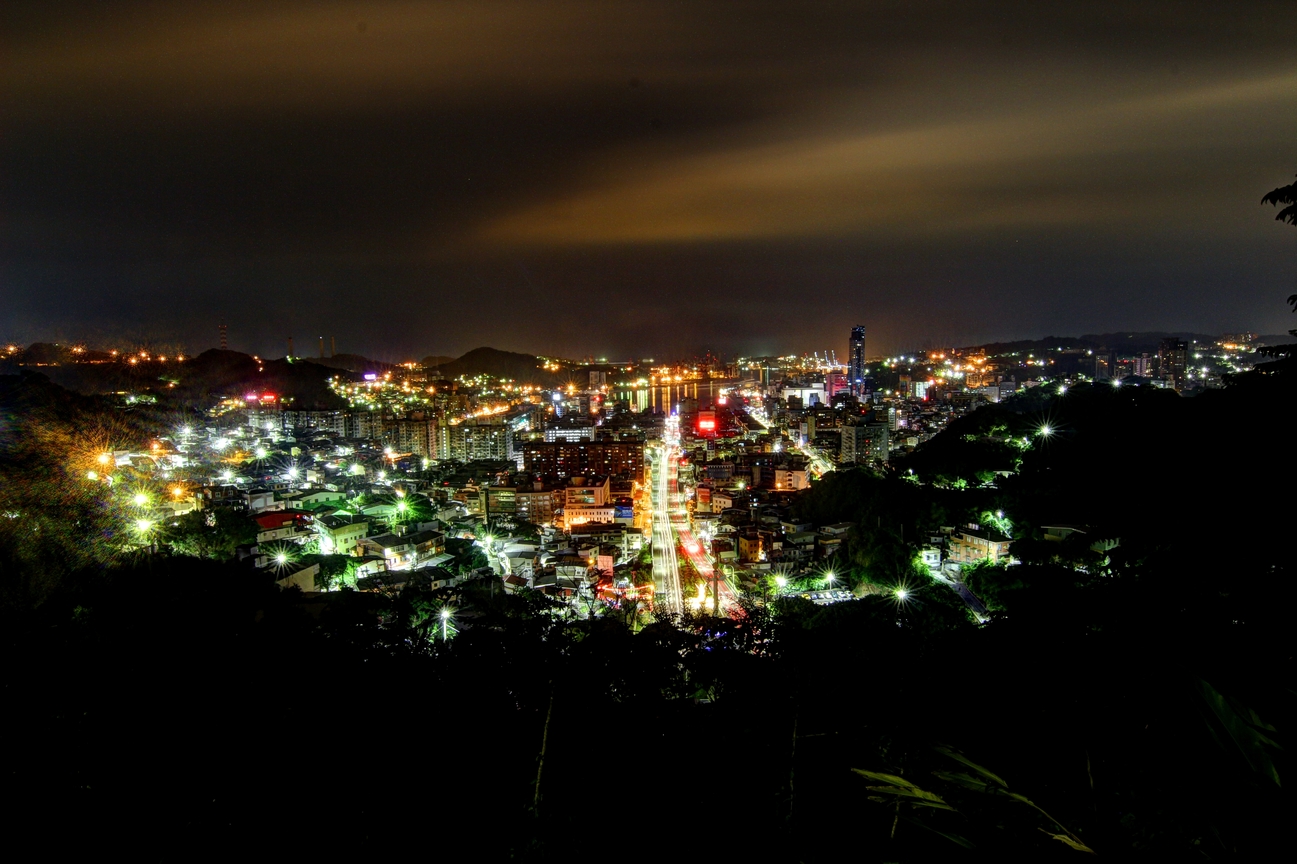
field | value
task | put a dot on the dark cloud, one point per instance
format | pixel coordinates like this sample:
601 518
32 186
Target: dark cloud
639 178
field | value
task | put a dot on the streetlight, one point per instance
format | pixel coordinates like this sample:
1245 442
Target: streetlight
140 499
829 577
104 458
901 594
1046 431
445 618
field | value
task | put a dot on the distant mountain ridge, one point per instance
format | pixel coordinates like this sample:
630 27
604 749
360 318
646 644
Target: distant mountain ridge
1122 342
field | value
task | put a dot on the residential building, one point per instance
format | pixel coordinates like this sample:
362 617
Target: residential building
868 442
403 551
588 501
1173 361
565 459
973 543
341 535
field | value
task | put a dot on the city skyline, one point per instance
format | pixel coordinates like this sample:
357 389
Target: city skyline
438 178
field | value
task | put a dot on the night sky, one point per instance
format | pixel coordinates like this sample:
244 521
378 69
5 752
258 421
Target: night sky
639 179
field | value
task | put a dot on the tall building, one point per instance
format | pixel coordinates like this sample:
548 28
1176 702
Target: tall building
471 441
1173 360
864 443
576 458
856 370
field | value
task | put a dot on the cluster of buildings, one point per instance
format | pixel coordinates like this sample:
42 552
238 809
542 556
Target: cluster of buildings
424 480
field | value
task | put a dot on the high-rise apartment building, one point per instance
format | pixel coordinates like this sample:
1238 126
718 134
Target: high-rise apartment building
1173 361
575 458
856 370
864 443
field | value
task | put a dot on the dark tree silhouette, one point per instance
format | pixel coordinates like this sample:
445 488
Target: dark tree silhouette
1285 195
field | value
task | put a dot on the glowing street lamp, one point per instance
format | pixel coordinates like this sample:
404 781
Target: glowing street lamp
902 594
1046 431
445 620
104 458
140 499
829 577
780 582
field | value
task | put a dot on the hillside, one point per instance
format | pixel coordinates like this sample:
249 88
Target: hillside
349 363
1122 343
212 374
523 368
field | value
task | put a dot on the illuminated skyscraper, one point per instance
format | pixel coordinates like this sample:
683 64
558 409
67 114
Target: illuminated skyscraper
856 372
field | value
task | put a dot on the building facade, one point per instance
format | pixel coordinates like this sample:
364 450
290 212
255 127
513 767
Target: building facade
856 361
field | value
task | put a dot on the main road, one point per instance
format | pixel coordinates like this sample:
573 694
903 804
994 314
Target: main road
669 522
666 569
